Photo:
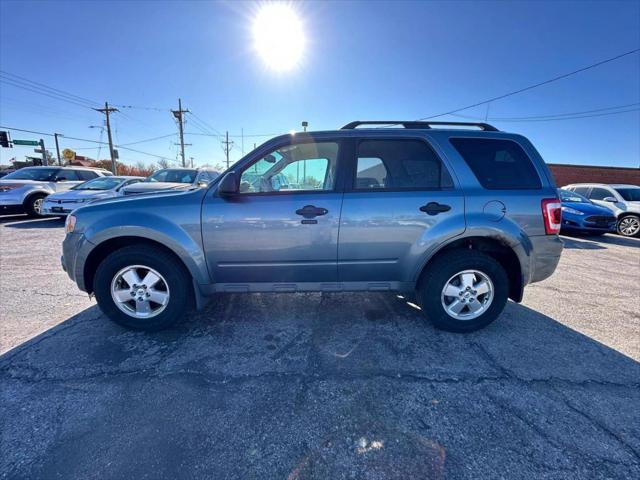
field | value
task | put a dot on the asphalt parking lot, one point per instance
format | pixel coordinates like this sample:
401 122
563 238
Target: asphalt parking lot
301 386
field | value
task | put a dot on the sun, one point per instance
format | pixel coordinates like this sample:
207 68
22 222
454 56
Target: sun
278 36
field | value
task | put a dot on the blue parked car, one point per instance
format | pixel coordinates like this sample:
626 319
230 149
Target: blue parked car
581 215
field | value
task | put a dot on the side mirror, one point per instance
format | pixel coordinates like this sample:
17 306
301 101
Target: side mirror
203 183
230 184
610 199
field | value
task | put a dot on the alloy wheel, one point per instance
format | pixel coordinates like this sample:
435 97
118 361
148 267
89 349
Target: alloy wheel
140 291
629 226
467 295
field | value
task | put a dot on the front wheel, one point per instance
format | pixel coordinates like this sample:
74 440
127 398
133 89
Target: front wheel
463 291
142 288
629 226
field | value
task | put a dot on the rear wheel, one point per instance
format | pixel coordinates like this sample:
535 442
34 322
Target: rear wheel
463 291
142 288
629 226
33 205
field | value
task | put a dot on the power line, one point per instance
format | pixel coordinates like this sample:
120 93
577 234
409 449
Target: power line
205 124
86 140
17 78
557 116
8 82
536 85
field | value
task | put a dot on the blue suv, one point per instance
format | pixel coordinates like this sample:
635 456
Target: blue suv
461 214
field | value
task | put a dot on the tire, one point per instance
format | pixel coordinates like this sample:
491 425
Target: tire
174 283
33 205
628 226
447 268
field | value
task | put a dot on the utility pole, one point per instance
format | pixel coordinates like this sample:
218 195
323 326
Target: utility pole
58 147
107 110
179 114
227 147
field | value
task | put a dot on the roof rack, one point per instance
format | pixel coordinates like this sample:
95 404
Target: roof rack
419 124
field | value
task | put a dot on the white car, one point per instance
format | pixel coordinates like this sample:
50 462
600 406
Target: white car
63 203
622 200
24 190
172 179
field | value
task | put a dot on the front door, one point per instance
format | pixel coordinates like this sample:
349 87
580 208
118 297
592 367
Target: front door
281 229
401 201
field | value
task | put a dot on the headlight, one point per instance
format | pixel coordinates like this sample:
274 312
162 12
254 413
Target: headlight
572 211
70 224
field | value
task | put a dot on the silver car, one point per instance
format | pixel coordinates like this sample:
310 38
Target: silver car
465 219
173 179
63 203
24 190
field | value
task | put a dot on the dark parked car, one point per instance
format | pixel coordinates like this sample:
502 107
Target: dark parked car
464 218
581 215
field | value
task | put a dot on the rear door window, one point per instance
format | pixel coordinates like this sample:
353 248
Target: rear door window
498 164
599 193
86 174
399 165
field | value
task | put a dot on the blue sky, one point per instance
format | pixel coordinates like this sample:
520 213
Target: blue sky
375 60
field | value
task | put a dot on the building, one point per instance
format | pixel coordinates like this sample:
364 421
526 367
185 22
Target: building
566 174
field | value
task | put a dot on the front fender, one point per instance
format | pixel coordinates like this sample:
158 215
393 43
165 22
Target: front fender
183 240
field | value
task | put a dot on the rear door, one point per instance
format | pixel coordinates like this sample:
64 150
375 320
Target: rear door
65 179
400 200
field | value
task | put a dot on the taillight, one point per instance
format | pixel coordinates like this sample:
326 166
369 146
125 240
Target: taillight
6 187
552 214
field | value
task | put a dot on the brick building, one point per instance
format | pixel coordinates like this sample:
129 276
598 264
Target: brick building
565 174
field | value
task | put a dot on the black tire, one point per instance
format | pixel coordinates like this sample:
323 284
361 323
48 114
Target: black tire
447 265
633 218
175 274
30 205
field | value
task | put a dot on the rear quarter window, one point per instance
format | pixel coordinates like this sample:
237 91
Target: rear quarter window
498 164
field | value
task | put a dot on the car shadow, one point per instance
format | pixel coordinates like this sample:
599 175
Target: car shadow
587 242
51 222
310 385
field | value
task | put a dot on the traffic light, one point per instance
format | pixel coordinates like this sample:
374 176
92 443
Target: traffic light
5 140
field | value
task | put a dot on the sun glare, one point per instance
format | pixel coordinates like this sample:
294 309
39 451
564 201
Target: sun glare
278 36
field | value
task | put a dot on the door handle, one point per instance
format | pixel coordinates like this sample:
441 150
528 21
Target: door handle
434 208
309 211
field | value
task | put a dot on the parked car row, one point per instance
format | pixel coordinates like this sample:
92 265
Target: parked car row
597 208
41 191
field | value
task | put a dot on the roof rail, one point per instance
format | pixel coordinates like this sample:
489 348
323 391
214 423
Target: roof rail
419 124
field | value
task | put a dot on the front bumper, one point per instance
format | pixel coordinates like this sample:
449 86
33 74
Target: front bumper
588 223
59 209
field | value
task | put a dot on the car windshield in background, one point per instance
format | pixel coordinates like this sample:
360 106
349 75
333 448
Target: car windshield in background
174 176
629 194
38 174
567 196
101 183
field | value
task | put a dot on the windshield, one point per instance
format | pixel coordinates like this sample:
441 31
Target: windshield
39 174
630 194
100 183
173 175
573 197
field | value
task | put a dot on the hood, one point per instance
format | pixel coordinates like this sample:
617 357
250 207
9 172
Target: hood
147 187
588 208
81 195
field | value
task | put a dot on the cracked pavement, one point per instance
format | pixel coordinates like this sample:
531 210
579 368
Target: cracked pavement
317 386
